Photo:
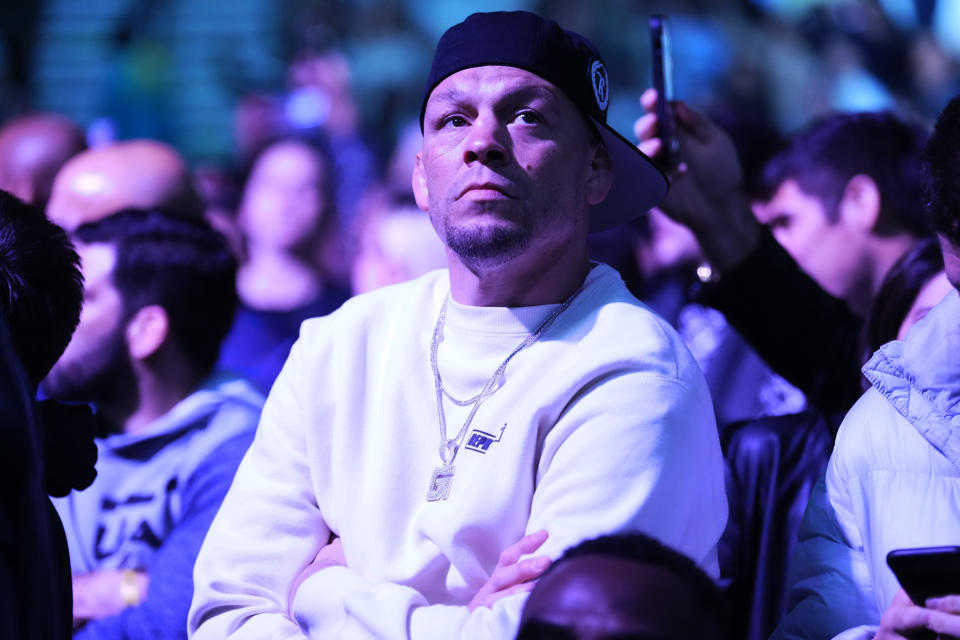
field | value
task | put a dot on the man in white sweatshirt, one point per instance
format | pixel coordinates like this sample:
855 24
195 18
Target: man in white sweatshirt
416 434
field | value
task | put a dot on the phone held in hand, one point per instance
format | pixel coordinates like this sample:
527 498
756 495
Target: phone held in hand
663 83
926 572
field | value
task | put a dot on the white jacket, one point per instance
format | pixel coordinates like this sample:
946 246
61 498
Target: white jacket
892 482
604 424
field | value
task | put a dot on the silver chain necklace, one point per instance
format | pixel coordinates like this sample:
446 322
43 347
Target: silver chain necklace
442 478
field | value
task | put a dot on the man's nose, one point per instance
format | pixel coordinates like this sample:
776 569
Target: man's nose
487 143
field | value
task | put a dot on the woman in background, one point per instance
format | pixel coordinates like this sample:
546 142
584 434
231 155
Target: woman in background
288 221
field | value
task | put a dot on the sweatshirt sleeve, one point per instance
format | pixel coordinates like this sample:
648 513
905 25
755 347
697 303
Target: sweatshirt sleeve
268 528
163 613
632 451
831 589
768 297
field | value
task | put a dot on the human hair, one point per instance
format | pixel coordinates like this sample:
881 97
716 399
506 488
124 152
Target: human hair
897 293
179 263
320 247
41 287
941 174
642 549
827 153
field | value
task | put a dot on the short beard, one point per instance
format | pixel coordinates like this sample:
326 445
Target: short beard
487 245
103 377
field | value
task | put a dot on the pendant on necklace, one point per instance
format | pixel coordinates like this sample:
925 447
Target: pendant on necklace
440 483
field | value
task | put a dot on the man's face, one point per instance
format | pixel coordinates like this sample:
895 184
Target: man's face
598 597
828 251
505 165
96 359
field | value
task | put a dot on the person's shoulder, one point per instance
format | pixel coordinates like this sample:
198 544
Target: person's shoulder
374 307
224 421
238 395
874 436
611 318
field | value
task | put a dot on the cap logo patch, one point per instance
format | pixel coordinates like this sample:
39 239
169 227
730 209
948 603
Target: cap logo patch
598 78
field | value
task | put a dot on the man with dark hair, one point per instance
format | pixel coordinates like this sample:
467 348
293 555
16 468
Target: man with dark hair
844 205
41 289
845 200
421 430
893 476
159 298
40 297
619 586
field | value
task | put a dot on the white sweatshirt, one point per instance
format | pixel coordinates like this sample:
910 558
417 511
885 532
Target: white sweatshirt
605 424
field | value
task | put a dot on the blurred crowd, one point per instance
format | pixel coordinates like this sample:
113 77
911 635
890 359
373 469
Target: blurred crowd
199 265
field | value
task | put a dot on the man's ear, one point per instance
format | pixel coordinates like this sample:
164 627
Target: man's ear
860 203
419 182
600 177
146 331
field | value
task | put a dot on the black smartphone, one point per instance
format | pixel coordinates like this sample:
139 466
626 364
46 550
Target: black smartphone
663 83
926 572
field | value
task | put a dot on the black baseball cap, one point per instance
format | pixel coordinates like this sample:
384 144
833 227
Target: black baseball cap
568 60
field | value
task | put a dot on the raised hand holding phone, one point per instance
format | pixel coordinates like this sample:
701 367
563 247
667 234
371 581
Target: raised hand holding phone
705 190
668 158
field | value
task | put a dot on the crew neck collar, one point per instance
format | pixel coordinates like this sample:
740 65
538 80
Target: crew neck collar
508 320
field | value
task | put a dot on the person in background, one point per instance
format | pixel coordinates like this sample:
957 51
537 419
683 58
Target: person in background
397 243
136 174
286 217
623 586
913 286
765 514
843 205
41 292
894 474
33 148
159 297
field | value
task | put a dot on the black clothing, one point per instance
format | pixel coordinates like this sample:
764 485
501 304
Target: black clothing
802 332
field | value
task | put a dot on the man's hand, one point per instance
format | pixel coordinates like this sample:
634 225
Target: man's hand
330 555
705 191
902 618
100 594
69 451
511 574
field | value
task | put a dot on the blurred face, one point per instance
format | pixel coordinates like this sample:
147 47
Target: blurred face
283 200
929 296
951 261
96 359
828 251
395 246
505 165
598 597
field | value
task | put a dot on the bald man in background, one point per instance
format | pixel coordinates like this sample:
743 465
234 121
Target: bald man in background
136 174
33 148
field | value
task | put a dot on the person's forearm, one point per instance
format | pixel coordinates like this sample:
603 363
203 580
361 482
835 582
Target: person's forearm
727 237
802 332
339 602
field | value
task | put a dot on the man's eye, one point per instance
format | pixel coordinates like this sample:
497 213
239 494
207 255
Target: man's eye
529 117
454 121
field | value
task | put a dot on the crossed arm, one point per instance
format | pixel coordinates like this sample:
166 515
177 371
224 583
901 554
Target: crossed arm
513 573
651 464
